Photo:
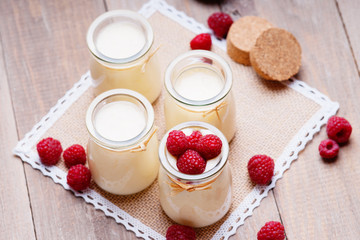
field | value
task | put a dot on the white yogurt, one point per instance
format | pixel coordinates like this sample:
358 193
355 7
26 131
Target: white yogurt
199 83
120 121
120 40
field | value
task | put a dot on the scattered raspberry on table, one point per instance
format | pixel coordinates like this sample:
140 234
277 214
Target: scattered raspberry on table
193 139
180 232
191 163
74 155
328 149
201 41
49 151
220 23
261 169
271 231
177 143
79 177
338 129
209 146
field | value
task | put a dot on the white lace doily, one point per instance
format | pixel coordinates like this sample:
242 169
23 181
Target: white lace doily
244 210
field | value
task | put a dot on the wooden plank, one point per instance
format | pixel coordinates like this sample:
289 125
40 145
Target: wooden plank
46 53
318 200
16 221
349 13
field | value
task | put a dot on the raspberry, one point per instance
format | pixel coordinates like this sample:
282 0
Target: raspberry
220 23
338 129
328 149
209 146
261 169
193 139
79 177
271 231
180 232
49 151
191 163
177 143
74 155
201 41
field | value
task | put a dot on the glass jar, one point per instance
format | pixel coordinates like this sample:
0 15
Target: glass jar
198 85
120 42
195 200
123 147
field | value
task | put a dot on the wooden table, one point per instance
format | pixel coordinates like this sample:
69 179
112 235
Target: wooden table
43 53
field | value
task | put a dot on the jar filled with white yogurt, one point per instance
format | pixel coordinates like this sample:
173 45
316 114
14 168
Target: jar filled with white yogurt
123 146
121 42
198 87
195 200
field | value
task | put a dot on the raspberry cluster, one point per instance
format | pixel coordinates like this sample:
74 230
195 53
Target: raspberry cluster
338 130
219 23
193 151
50 150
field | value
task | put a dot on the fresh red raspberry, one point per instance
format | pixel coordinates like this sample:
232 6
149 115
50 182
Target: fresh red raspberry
180 232
193 139
338 129
209 146
49 151
191 163
328 149
177 143
201 41
220 23
79 177
271 231
261 169
74 155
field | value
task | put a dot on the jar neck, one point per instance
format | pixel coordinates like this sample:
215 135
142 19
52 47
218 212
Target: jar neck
138 146
113 65
200 181
205 109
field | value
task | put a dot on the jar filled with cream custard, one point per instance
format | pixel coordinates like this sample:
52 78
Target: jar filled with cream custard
123 147
195 200
122 54
198 85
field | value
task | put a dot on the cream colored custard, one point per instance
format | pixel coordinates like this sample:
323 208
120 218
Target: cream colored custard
123 147
200 207
198 87
198 83
120 121
120 42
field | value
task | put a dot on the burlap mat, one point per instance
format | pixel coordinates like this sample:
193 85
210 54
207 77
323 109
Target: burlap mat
269 115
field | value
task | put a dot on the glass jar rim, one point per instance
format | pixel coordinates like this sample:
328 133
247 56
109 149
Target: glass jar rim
120 13
115 145
198 177
199 53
